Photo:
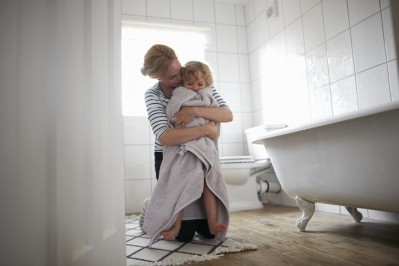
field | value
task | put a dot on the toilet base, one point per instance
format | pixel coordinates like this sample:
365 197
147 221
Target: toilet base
243 197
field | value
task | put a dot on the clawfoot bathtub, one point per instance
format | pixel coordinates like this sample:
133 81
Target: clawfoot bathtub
350 160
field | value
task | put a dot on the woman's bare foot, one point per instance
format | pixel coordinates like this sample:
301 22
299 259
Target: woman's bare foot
171 233
217 228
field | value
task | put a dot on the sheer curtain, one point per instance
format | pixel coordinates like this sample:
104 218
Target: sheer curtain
61 156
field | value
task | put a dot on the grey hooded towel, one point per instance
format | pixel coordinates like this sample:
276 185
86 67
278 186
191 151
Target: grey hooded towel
183 171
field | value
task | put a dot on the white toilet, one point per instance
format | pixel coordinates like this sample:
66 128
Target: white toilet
241 172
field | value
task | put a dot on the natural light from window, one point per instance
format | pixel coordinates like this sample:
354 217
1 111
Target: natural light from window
189 43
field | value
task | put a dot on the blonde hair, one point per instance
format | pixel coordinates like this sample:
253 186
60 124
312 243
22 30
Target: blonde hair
191 69
157 60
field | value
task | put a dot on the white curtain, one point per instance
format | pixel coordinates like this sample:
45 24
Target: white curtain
61 144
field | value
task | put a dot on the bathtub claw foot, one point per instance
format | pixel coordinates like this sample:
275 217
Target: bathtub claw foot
357 216
307 208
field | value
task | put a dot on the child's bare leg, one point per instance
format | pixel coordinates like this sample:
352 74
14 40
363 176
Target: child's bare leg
210 205
174 230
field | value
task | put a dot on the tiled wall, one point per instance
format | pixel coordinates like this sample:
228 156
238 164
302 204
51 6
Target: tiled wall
315 59
318 59
228 57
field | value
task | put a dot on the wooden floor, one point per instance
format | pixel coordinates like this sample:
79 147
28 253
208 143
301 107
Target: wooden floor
330 239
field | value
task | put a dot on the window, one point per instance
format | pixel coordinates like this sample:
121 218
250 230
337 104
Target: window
189 43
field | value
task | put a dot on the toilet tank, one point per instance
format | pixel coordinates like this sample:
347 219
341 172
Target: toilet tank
258 151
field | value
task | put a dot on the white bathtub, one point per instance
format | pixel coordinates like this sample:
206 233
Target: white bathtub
350 160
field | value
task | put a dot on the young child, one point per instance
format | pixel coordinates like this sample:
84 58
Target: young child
197 76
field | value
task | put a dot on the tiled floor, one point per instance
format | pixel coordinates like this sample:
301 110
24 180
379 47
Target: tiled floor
137 249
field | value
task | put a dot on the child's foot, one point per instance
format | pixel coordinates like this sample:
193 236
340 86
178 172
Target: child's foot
217 228
171 233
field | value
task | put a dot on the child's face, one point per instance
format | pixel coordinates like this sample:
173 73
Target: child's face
195 84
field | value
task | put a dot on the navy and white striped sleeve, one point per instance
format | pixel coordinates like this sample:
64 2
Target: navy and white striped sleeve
219 99
156 105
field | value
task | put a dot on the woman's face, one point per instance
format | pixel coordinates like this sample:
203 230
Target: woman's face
171 78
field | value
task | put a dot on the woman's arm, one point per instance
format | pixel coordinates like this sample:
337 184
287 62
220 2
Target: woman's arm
177 136
187 114
219 114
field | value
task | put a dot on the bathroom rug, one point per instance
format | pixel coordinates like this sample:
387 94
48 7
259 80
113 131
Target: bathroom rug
172 253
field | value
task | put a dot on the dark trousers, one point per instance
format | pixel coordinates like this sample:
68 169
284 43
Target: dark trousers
188 227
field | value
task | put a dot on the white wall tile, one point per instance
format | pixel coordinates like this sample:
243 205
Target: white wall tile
389 35
362 9
249 12
212 60
182 10
225 13
276 24
373 86
393 79
240 15
320 103
344 96
287 200
226 38
158 8
134 7
233 132
247 122
306 5
294 40
339 56
136 130
136 191
368 43
328 208
261 5
262 29
317 68
246 103
384 216
243 68
228 67
251 36
335 13
231 94
232 149
257 94
137 162
292 10
204 10
242 44
313 28
278 49
296 71
258 117
254 65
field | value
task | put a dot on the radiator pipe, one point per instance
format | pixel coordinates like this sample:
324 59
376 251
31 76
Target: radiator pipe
264 186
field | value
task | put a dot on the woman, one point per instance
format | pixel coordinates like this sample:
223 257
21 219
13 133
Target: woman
161 63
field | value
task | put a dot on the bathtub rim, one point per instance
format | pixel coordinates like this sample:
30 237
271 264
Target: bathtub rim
330 120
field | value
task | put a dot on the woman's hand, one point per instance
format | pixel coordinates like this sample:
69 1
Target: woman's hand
213 133
184 116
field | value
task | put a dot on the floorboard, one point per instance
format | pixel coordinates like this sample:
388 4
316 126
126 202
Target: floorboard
329 239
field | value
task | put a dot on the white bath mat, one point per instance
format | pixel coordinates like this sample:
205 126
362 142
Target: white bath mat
172 252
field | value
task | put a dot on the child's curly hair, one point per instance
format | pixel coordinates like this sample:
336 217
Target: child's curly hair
191 68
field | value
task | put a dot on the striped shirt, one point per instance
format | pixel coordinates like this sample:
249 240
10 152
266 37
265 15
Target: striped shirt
156 102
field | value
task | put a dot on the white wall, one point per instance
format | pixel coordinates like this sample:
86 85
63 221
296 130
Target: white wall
228 57
315 59
318 59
